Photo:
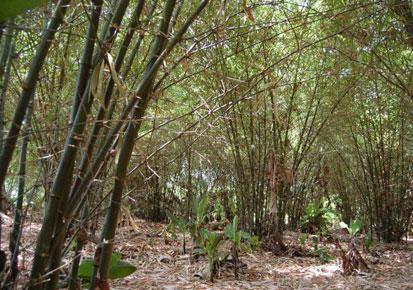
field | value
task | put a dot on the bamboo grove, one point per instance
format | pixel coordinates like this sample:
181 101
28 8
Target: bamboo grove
133 106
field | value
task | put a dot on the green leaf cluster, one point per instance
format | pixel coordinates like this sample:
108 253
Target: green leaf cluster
11 8
200 213
118 268
234 235
354 228
176 224
318 218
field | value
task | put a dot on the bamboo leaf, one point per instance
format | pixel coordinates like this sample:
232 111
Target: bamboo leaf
11 8
248 11
115 76
97 80
355 227
121 269
85 269
118 269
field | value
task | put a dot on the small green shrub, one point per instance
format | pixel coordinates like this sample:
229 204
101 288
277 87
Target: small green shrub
118 268
303 238
355 227
210 246
176 225
235 236
194 226
254 243
200 213
318 218
323 255
367 242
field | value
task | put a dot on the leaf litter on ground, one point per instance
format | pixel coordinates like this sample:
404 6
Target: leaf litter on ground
162 265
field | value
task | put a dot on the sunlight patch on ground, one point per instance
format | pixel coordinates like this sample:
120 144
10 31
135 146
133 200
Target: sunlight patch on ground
327 270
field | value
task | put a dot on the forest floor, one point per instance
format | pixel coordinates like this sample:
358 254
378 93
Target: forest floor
162 265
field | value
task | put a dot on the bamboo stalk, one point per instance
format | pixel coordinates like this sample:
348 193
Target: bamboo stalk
29 87
47 247
86 61
108 232
5 64
17 222
158 54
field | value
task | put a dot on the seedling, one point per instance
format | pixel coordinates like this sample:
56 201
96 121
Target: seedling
355 227
176 225
196 224
209 247
235 236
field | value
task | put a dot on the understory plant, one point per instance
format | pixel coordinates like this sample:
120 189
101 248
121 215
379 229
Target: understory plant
176 225
320 252
351 259
318 218
235 236
207 242
197 222
210 248
118 268
254 243
367 242
195 225
354 228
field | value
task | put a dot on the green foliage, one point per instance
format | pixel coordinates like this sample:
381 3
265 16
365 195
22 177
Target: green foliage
121 269
235 236
210 243
368 242
118 268
199 208
195 226
355 227
199 212
320 252
85 269
176 225
330 216
317 218
314 239
11 8
303 239
323 255
210 247
218 212
254 243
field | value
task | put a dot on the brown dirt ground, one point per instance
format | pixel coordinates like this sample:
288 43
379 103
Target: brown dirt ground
163 266
394 270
